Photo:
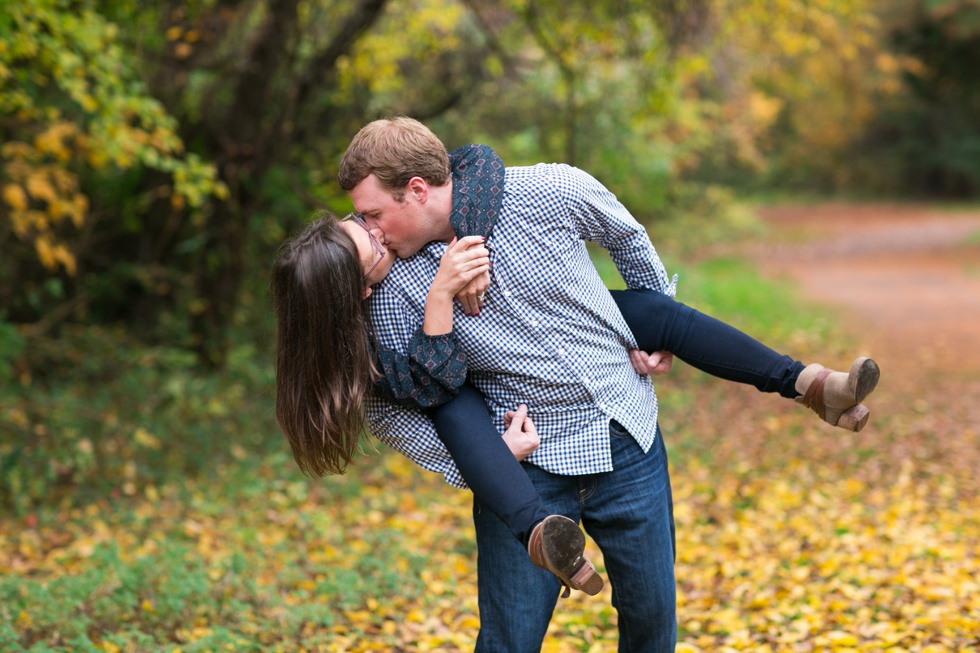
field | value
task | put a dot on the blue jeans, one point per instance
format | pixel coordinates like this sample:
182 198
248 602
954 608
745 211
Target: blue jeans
629 513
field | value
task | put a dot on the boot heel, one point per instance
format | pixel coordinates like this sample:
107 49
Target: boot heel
854 418
865 373
835 396
587 579
557 545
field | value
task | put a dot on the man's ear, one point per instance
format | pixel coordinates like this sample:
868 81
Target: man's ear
419 189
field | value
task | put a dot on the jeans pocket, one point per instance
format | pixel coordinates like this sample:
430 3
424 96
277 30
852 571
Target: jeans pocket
617 430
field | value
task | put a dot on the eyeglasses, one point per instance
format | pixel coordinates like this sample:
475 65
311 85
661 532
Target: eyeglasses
378 248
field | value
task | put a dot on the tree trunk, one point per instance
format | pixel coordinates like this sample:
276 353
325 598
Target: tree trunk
260 125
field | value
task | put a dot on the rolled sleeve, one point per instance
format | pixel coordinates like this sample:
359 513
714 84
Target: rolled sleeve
429 375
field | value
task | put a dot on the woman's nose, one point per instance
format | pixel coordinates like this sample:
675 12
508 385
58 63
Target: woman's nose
379 234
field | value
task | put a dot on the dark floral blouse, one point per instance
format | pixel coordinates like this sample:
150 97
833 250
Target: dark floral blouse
434 367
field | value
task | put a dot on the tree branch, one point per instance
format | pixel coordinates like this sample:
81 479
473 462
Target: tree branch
323 67
510 68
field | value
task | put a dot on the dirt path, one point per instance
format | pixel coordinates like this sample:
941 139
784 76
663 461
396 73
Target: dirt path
906 281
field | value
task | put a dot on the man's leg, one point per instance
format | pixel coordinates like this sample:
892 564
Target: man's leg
629 513
517 598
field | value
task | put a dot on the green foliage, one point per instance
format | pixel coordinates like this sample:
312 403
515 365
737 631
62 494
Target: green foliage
660 102
76 108
788 86
925 138
132 578
11 346
782 538
596 85
731 287
122 417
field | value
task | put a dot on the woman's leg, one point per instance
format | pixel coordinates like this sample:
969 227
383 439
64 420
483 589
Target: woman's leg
499 483
661 323
486 463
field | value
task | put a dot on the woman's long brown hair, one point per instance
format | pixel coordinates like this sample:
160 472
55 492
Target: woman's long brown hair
324 358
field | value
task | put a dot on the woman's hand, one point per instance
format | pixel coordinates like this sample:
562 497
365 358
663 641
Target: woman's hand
521 436
471 296
465 259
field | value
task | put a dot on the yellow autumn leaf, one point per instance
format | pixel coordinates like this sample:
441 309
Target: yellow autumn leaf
839 638
15 197
40 188
145 439
65 258
45 252
88 103
24 620
52 140
79 209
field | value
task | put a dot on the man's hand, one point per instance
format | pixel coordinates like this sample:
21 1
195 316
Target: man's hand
521 436
471 296
657 363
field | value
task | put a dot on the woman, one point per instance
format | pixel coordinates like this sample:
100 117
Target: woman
327 364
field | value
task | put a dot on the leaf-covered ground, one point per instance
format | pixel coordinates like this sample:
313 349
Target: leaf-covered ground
778 550
792 536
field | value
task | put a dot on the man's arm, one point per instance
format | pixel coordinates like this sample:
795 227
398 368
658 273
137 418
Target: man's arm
599 217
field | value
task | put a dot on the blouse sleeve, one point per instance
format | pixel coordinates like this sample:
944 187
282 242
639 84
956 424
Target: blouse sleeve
430 374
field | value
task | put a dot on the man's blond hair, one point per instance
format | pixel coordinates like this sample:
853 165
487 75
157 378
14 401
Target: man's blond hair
394 150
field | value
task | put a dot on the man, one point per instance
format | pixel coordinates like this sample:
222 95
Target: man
546 333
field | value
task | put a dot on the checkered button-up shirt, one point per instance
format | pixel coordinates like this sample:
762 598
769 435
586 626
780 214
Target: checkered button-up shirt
549 334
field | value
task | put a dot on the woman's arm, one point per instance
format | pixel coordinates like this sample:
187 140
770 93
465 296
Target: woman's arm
478 193
434 367
464 260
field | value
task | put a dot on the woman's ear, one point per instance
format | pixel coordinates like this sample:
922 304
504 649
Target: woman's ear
367 292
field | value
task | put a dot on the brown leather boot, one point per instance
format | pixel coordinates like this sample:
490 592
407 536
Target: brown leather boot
557 545
835 396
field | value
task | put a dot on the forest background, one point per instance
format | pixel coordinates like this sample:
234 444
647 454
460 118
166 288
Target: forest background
155 154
